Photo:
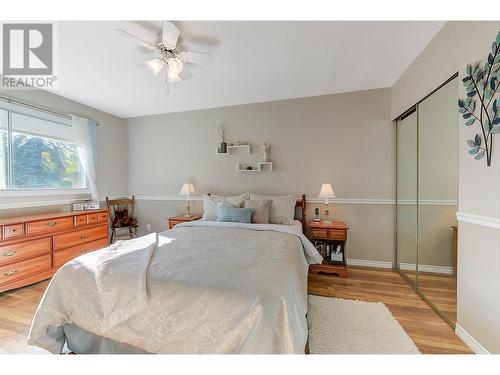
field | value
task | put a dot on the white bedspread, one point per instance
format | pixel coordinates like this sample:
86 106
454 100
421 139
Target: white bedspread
211 288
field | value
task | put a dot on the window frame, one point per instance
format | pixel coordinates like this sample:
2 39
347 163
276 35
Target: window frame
42 115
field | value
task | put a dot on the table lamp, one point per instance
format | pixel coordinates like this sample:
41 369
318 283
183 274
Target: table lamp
186 191
326 192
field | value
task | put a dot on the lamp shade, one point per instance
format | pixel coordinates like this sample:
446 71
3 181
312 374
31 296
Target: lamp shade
187 190
154 65
326 191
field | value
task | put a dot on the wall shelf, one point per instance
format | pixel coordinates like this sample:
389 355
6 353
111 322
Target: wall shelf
261 167
234 148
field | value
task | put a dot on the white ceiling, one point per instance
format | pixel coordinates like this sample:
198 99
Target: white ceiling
253 61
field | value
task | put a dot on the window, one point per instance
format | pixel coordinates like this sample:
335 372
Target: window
37 151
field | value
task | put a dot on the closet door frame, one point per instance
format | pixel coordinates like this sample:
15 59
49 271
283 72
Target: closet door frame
415 286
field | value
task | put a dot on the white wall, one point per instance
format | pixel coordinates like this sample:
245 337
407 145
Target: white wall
345 139
112 153
457 44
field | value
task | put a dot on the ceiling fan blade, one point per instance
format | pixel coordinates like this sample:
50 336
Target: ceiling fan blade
193 57
142 42
185 73
170 34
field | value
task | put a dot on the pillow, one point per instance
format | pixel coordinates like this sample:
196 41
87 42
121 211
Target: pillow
282 208
235 214
262 210
210 204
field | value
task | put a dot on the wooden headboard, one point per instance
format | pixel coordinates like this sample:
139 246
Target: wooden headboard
301 204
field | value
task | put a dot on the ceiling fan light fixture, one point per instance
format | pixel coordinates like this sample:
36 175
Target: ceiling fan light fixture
175 65
173 77
155 65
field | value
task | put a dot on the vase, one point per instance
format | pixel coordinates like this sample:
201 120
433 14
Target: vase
266 156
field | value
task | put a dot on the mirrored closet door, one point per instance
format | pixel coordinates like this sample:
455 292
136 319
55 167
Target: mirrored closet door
427 189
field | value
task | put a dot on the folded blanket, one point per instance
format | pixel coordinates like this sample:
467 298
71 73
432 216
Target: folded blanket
100 290
121 278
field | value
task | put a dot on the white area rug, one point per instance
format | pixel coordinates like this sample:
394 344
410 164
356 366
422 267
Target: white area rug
341 326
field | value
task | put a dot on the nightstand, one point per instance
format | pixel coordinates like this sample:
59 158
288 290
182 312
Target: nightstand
330 238
171 221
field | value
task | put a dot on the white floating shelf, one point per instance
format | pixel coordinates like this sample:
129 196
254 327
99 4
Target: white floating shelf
229 148
260 168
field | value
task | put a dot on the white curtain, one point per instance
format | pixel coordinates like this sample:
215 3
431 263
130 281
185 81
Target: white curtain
84 131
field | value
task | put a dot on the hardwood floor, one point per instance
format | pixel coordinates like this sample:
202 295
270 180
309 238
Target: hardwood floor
16 312
431 333
440 289
427 329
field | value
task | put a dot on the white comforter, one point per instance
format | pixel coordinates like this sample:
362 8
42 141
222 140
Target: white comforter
205 287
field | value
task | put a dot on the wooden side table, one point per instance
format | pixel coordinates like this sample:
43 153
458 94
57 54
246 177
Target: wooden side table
330 236
171 221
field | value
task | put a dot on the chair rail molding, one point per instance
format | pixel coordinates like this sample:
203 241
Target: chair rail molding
485 221
309 200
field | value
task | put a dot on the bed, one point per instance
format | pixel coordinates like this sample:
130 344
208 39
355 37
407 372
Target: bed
202 287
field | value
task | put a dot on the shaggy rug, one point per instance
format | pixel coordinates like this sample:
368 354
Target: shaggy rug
340 326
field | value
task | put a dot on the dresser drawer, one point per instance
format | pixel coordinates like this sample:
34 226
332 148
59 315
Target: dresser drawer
92 219
336 234
22 269
80 220
81 236
63 256
49 225
102 217
13 230
24 250
319 233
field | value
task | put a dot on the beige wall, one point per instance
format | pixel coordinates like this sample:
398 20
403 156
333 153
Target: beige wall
457 44
112 150
345 139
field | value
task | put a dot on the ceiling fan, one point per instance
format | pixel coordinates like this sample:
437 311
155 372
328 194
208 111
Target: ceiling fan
169 56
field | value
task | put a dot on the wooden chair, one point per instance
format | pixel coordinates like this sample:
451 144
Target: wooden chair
116 206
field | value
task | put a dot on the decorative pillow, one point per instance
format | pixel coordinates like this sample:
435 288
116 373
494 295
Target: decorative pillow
210 204
282 208
262 210
235 214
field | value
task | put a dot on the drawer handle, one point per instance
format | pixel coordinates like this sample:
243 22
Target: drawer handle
83 251
14 229
83 236
51 223
10 273
10 253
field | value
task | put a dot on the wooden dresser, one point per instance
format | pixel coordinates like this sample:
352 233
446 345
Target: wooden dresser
32 248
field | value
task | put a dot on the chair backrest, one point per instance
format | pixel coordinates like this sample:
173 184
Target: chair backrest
115 204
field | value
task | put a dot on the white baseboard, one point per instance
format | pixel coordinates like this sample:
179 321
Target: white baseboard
369 263
470 341
426 268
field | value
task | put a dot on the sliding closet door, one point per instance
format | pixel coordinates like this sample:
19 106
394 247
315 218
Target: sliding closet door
406 196
437 197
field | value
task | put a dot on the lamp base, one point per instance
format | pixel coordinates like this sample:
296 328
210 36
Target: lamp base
188 215
327 221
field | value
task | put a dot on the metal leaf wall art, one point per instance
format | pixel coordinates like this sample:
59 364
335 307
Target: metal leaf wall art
481 84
